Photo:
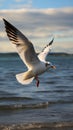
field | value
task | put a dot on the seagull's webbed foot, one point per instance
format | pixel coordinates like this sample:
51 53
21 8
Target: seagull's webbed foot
37 81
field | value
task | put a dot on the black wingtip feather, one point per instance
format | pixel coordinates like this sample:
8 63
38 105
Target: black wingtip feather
5 21
51 42
9 25
12 31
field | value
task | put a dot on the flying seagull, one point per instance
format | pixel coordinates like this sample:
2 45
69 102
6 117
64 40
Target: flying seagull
36 64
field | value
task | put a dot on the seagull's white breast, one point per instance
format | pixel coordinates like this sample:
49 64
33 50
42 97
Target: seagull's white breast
39 68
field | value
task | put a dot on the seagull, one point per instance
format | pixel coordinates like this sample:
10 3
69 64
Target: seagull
36 64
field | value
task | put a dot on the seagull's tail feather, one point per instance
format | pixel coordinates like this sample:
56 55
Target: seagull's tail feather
24 78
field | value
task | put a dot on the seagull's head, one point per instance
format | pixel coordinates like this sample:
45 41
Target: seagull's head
49 65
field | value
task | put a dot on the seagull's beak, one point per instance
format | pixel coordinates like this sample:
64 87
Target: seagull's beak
53 66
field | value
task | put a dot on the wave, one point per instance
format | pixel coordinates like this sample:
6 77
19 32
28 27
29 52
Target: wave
24 106
32 106
57 90
15 98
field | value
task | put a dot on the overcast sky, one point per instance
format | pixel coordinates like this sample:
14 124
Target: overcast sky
39 20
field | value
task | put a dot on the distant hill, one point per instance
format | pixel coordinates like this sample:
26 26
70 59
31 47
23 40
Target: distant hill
51 54
60 54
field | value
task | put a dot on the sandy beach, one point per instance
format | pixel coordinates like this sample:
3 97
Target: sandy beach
38 126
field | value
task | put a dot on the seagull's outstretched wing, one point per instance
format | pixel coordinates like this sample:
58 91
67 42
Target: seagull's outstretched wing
24 47
43 54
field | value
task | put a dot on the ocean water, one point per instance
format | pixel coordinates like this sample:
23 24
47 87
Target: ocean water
51 102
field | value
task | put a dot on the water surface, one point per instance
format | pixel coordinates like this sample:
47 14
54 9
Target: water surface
51 102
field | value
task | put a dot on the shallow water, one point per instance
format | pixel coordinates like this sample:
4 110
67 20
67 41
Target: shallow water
51 102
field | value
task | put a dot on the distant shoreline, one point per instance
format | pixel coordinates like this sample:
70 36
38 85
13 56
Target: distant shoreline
51 54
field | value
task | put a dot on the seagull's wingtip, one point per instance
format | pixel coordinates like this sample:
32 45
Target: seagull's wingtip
3 19
51 41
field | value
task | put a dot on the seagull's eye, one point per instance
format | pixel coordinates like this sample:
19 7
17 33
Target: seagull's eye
47 64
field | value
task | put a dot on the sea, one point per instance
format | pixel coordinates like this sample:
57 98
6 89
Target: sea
51 102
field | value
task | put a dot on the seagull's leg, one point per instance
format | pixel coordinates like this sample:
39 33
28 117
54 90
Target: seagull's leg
37 83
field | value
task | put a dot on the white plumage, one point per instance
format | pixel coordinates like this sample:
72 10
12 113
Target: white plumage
36 64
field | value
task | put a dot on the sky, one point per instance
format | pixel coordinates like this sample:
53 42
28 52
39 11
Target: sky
40 21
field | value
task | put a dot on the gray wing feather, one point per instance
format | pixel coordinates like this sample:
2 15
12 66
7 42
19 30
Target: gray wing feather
43 54
24 46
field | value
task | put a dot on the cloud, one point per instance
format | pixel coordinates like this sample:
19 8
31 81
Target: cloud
19 4
40 24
